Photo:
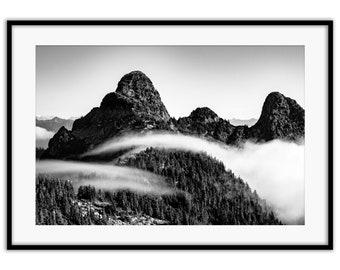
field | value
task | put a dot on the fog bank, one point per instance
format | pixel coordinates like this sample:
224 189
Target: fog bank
104 176
42 136
274 169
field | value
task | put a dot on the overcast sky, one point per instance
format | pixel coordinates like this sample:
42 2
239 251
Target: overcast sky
231 80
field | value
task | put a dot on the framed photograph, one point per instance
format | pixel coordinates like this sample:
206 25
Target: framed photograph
170 134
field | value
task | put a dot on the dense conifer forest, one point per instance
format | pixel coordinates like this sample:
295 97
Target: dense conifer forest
204 192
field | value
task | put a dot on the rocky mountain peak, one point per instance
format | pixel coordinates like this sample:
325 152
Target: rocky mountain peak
274 102
136 92
135 84
281 117
204 114
136 106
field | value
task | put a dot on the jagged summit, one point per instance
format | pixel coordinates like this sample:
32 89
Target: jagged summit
136 106
205 122
134 83
281 117
136 92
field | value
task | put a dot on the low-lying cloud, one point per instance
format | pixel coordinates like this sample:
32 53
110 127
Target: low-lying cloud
43 134
42 137
104 176
274 169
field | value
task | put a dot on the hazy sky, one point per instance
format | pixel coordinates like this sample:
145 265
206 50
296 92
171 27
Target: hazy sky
231 80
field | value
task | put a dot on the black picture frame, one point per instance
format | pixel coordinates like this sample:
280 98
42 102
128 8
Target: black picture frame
327 23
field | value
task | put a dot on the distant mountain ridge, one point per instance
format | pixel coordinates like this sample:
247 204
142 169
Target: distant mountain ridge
49 117
44 117
53 123
136 106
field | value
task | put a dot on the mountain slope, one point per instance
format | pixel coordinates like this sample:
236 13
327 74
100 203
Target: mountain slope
204 194
211 195
205 123
134 106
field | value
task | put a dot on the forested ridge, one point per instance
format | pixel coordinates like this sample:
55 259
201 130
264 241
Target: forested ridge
204 192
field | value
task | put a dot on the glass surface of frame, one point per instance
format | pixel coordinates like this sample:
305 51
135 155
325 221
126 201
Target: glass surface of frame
219 133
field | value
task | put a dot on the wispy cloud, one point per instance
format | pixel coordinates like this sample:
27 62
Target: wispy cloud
43 134
274 169
105 176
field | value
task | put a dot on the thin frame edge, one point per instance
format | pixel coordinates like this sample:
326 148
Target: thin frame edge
328 23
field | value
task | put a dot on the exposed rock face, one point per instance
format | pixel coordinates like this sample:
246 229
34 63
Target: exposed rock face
136 93
281 118
136 106
139 91
205 122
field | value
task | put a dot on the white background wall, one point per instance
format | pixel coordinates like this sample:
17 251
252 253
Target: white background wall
153 9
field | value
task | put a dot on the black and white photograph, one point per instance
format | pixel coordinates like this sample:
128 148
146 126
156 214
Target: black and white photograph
173 135
170 135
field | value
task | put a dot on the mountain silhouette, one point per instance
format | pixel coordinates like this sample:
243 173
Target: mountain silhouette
136 106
